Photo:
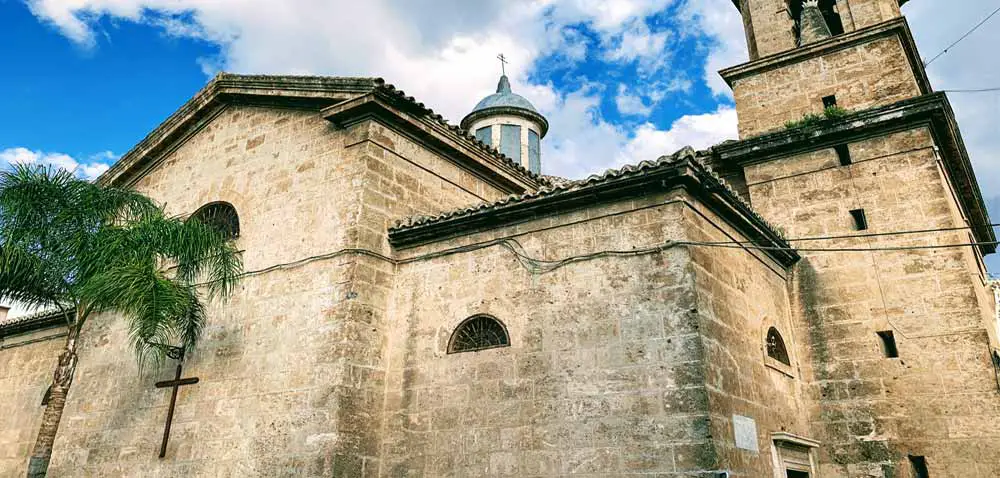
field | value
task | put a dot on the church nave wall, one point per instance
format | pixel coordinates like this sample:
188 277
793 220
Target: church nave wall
605 374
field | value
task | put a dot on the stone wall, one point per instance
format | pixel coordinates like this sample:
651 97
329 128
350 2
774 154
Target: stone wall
871 74
740 295
606 372
773 28
291 368
26 365
939 398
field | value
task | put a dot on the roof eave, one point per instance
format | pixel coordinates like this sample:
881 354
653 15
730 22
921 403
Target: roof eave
634 181
933 110
471 154
31 323
507 110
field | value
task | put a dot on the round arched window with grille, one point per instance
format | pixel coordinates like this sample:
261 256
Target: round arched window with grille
776 346
221 216
479 332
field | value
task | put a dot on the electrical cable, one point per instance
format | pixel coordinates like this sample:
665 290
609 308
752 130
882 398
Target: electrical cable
970 32
543 266
979 90
872 234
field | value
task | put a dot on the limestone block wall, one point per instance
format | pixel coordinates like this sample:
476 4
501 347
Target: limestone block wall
291 368
771 27
740 295
939 399
605 374
858 14
26 365
871 74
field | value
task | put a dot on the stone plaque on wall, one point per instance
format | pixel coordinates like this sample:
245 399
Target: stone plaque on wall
745 430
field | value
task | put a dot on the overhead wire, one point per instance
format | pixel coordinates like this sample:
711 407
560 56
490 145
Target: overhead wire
970 32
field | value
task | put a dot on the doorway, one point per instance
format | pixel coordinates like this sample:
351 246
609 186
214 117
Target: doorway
797 474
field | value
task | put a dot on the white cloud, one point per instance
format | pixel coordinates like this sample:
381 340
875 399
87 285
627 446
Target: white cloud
721 23
441 51
638 44
583 133
90 170
629 103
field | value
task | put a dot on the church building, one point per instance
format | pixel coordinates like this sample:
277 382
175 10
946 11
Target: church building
421 301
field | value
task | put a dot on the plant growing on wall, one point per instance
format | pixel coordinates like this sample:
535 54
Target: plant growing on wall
809 119
91 250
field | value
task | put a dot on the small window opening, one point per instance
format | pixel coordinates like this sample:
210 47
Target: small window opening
860 220
829 101
478 332
485 135
220 216
47 396
797 474
843 154
776 347
889 349
919 465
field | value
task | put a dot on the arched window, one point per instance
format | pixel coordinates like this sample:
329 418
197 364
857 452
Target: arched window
221 216
776 347
479 332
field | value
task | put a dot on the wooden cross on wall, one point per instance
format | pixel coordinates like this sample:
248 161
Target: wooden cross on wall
178 354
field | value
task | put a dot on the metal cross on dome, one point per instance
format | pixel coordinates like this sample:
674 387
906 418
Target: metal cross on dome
503 63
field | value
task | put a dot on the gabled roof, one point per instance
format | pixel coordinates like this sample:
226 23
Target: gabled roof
682 168
304 92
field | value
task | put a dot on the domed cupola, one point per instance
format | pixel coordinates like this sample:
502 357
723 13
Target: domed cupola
510 123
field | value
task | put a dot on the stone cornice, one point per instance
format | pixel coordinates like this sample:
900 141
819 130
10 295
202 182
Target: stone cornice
896 27
682 171
483 161
933 111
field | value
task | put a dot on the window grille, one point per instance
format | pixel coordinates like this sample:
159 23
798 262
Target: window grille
479 332
221 216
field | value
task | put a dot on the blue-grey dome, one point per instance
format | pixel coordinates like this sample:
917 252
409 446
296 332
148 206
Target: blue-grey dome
505 101
504 98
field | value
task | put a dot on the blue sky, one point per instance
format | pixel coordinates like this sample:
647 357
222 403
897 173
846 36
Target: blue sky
619 80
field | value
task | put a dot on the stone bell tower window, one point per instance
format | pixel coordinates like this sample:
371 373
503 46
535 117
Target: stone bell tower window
830 15
479 332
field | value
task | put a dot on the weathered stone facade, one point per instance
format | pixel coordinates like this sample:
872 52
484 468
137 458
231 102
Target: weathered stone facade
656 324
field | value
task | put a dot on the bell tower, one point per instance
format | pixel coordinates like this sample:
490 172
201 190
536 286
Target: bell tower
808 55
848 150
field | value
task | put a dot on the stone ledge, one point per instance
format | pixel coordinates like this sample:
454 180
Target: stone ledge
933 111
896 27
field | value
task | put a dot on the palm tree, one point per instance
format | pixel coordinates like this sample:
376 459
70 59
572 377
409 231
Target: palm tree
84 249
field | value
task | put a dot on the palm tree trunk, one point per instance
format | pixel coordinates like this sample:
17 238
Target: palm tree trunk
62 378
